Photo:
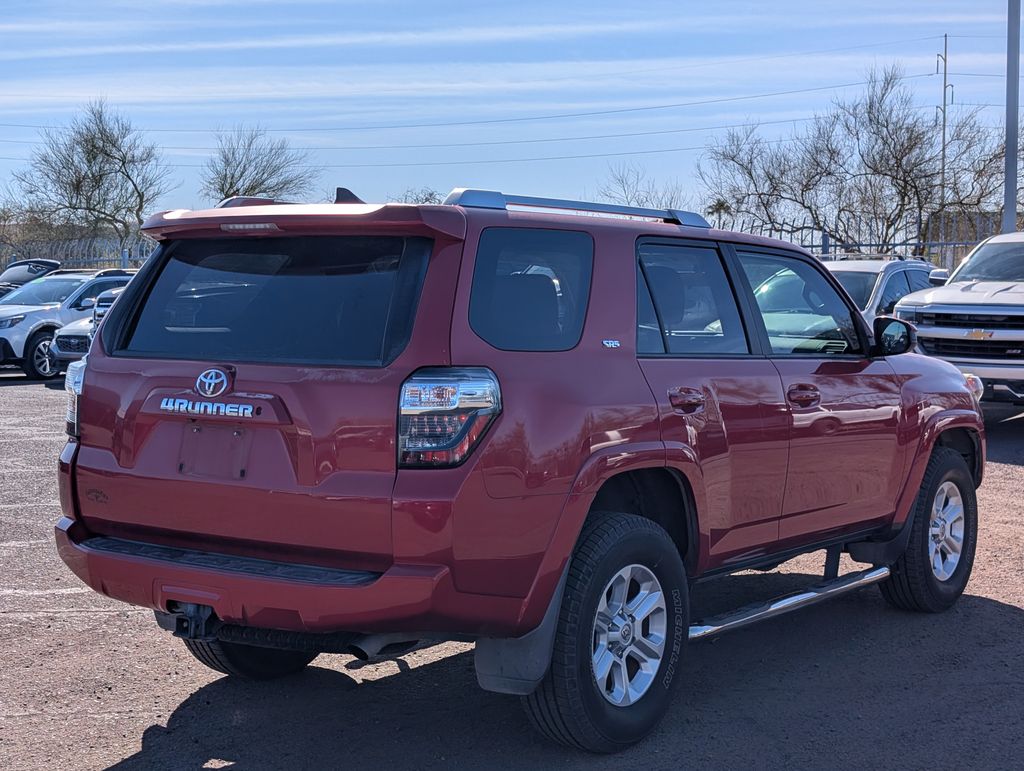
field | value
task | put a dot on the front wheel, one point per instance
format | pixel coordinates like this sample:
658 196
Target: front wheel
621 630
249 662
933 572
40 362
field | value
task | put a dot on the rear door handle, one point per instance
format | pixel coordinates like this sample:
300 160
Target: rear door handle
804 395
687 400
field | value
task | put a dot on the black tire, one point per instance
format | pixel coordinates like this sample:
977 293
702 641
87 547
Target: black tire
568 707
40 338
248 661
913 585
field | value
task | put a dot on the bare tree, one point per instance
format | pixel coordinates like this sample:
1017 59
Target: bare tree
249 162
418 195
99 173
631 185
867 170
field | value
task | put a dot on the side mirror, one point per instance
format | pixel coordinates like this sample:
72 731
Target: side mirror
938 277
893 336
86 303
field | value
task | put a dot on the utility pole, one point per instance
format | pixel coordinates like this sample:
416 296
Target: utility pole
947 88
1012 95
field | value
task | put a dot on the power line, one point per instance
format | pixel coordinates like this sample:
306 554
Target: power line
493 142
524 119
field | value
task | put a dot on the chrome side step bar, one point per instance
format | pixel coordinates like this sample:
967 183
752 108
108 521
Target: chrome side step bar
760 611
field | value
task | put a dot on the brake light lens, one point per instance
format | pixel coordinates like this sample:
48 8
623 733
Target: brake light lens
73 386
443 413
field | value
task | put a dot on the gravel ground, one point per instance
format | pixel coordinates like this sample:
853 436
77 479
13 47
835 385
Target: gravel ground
89 683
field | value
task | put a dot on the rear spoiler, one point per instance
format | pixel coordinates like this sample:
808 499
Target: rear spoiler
306 219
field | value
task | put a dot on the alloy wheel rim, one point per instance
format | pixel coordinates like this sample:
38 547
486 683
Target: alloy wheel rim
630 628
946 531
43 359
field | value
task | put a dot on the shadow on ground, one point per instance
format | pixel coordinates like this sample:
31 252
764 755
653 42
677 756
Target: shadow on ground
842 685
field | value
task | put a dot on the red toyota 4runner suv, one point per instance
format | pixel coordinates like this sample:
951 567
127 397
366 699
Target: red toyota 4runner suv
524 422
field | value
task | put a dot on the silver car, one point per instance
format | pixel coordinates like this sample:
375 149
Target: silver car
71 342
31 314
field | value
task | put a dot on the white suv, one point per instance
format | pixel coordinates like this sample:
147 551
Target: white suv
975 318
31 314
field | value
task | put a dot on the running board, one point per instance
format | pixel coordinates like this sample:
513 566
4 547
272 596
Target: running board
763 610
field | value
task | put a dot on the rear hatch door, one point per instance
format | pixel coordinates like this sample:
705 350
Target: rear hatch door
242 397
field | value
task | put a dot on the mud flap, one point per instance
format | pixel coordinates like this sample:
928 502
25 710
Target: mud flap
516 665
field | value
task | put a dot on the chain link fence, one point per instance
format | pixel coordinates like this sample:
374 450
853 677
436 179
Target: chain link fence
944 240
85 253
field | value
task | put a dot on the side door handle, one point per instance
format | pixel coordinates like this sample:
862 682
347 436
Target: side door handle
686 400
804 394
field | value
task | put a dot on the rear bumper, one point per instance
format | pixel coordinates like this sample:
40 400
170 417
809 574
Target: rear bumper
405 598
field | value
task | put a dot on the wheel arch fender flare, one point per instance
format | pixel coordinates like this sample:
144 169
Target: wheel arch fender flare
518 665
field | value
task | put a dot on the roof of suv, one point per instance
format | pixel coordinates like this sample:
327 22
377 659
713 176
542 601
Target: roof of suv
875 266
265 216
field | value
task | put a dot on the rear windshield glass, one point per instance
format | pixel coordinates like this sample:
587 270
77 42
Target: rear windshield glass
318 300
858 284
530 288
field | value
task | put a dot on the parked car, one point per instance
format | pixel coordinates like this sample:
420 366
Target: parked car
31 314
21 272
347 428
874 284
71 342
975 317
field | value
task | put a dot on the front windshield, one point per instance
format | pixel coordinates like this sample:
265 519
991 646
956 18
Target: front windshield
858 284
42 291
993 262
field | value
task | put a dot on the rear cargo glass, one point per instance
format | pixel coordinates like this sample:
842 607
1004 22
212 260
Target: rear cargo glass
342 300
531 287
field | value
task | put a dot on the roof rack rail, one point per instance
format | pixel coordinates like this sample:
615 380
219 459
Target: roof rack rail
116 272
248 200
493 199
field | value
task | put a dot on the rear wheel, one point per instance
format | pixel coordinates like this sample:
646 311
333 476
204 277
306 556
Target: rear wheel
621 628
40 363
250 662
933 572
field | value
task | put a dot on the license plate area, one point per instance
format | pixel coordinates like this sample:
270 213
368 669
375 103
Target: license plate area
213 451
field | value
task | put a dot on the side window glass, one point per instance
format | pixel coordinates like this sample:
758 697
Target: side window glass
802 313
93 290
896 287
648 332
918 280
695 308
531 288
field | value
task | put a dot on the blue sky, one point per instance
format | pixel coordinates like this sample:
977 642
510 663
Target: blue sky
365 82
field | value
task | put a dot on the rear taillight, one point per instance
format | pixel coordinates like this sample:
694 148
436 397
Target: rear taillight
443 413
73 386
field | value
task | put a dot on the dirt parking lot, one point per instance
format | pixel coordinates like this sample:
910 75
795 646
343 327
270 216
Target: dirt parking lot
89 683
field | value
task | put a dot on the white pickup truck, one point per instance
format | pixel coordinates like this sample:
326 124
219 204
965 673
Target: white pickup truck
974 318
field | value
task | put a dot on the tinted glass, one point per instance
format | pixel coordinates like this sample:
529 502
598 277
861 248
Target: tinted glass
693 300
42 291
858 284
814 320
531 288
918 280
895 289
993 262
93 290
326 300
648 332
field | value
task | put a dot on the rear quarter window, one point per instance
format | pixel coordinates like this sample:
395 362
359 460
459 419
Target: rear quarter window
342 300
531 288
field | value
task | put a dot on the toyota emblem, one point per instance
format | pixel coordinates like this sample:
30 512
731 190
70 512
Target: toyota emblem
213 382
